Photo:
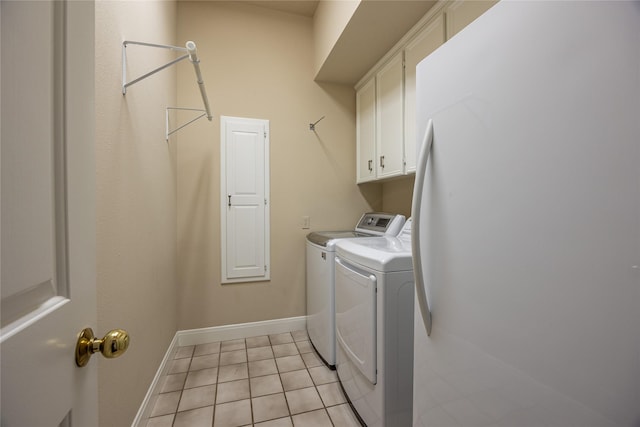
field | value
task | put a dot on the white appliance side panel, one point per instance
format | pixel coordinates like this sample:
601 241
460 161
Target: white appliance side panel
321 301
531 228
395 346
356 316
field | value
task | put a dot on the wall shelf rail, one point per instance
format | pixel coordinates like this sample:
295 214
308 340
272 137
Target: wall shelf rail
191 53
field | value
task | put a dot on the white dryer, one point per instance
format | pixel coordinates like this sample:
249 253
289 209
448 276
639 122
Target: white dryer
320 277
374 327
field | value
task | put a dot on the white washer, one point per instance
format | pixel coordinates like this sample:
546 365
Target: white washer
320 277
374 327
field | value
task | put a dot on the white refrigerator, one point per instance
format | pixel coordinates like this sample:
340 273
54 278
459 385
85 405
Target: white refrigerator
527 210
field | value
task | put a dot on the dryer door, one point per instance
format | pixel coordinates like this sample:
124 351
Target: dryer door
356 316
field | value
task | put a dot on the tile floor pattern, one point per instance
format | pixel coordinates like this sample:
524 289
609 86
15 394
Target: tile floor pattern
269 381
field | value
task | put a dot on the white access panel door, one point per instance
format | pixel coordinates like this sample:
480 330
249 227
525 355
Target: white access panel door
245 213
48 212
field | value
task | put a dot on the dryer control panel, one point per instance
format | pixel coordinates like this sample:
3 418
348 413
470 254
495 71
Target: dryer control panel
378 223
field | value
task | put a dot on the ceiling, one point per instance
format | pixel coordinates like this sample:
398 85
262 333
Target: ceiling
373 30
376 26
298 7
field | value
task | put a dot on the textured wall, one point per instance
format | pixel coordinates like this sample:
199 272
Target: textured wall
397 195
136 201
258 63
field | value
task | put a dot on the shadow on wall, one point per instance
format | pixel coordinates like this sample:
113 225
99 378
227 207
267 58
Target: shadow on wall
372 193
345 99
200 231
397 195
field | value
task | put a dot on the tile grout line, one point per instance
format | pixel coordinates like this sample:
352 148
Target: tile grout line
279 373
246 352
284 393
215 397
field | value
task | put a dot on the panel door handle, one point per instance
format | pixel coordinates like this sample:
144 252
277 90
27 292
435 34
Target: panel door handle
382 162
114 344
370 164
416 212
229 196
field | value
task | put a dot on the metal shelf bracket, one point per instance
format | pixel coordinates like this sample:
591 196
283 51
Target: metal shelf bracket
190 53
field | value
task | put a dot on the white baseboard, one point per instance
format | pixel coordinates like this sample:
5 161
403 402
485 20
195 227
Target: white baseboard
207 335
241 330
154 389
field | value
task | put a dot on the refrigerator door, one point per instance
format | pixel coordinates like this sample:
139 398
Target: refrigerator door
530 219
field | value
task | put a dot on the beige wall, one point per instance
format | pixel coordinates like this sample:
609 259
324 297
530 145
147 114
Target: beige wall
136 202
258 63
397 195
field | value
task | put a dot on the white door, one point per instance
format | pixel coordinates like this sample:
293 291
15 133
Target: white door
366 131
244 210
389 118
48 214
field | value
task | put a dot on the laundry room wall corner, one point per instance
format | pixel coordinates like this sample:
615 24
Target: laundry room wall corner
258 63
135 201
397 195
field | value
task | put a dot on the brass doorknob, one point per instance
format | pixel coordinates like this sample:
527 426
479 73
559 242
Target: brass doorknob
114 344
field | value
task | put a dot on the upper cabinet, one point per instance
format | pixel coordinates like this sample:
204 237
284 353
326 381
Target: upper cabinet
461 13
386 96
425 42
366 132
389 129
379 123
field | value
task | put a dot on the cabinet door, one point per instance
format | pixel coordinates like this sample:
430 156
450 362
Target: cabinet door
425 42
462 13
244 190
389 118
366 131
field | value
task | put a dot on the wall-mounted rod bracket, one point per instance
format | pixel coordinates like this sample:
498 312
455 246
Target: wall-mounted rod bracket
312 126
193 57
190 53
169 132
126 84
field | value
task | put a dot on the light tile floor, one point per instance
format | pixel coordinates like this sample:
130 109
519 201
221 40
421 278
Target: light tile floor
269 381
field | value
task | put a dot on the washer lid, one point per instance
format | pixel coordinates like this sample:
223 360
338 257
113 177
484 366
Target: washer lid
385 254
321 238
